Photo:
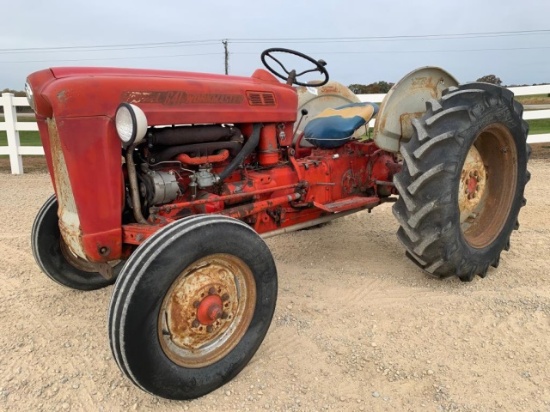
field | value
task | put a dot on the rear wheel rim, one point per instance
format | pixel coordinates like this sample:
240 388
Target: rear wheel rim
487 185
207 310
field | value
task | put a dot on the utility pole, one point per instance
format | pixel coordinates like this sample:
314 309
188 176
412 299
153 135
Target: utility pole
224 42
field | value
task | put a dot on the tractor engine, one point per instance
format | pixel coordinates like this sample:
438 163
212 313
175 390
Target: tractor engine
244 171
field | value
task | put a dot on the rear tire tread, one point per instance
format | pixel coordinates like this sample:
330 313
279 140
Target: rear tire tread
432 160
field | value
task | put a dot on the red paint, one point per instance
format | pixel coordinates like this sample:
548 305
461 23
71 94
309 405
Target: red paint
220 157
210 309
472 185
268 149
274 187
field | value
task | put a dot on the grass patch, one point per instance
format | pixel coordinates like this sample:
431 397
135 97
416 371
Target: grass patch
26 138
534 99
24 118
539 126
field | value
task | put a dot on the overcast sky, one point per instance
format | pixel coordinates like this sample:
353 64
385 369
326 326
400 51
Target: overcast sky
517 58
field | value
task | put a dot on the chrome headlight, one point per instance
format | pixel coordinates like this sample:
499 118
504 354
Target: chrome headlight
131 124
30 95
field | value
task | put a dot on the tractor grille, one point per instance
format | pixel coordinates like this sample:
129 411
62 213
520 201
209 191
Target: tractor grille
261 99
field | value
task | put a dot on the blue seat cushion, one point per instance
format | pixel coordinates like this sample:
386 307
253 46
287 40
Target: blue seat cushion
334 127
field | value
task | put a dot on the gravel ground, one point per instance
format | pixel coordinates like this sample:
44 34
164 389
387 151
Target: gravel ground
357 326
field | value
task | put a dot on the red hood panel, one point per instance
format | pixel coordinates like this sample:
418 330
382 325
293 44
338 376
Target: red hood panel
166 97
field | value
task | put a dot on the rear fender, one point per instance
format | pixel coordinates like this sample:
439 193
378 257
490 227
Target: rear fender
406 101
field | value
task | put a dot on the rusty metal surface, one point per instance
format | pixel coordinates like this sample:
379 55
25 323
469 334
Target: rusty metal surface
69 222
207 310
471 189
490 198
350 203
405 101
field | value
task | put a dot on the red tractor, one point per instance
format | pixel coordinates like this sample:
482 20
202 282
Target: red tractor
166 182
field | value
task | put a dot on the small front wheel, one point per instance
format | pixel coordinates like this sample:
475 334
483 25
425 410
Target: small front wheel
192 306
56 259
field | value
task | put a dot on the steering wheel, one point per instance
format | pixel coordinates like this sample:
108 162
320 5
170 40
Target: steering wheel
291 75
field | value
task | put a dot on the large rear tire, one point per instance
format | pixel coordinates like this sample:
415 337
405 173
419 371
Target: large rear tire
56 260
192 306
463 179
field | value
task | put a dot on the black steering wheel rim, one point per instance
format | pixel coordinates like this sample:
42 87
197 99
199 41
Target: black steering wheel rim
319 66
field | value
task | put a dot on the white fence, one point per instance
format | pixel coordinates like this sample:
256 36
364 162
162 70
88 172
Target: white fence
12 128
15 151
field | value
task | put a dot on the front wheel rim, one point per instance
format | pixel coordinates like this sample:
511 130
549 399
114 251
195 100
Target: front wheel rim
207 310
487 185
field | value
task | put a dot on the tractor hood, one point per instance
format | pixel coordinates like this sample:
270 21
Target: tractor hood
166 97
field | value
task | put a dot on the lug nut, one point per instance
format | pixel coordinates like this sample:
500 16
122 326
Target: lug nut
212 291
224 315
196 303
195 324
209 328
225 297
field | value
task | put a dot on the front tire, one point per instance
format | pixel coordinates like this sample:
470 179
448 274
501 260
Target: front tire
463 179
192 306
55 258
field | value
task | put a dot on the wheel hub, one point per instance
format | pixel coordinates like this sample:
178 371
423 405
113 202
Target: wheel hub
487 185
207 310
472 185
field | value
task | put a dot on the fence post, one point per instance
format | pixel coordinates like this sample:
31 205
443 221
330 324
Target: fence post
10 117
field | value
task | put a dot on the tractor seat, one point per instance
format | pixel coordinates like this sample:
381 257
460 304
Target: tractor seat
334 127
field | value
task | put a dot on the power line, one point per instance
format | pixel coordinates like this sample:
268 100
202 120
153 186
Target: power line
255 53
393 38
112 46
112 58
414 51
447 36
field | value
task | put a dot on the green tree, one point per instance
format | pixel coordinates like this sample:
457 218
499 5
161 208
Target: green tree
372 88
490 78
17 93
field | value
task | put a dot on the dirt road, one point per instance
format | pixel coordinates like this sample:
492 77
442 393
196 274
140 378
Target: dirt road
357 326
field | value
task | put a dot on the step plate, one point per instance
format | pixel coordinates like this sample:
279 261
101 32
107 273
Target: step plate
349 203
